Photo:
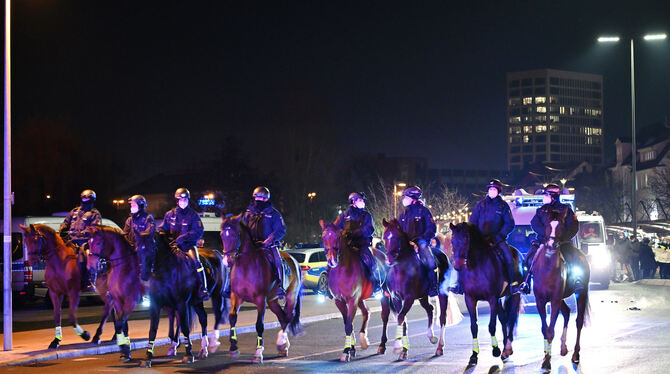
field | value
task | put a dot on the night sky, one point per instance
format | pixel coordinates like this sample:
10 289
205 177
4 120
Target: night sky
162 83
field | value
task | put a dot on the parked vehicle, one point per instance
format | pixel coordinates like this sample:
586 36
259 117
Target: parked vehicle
313 265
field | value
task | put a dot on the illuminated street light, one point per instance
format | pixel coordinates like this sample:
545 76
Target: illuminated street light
395 194
648 37
563 181
48 196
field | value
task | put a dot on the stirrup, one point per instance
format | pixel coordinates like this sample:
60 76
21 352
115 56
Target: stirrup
457 289
514 288
524 288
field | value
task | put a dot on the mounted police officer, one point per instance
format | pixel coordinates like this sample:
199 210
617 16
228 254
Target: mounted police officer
493 218
267 229
74 228
183 225
417 221
572 255
139 220
357 212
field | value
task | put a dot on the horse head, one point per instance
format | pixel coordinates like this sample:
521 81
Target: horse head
146 252
460 244
395 239
231 228
554 226
331 242
99 250
35 242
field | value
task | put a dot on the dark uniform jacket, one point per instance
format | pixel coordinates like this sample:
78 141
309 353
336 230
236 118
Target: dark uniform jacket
355 214
418 222
142 222
571 223
78 220
264 221
494 218
184 226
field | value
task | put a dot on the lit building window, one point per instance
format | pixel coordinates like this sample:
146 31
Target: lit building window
515 119
527 100
540 100
541 128
526 139
541 109
553 128
527 129
553 118
561 110
552 100
597 131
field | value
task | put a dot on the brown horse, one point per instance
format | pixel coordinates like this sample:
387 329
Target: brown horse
408 281
482 275
552 283
251 281
347 281
61 274
121 288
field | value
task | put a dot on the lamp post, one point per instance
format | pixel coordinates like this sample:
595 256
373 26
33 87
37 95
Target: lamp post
396 193
615 39
7 192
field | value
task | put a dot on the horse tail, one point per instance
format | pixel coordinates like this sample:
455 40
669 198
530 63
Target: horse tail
294 325
587 310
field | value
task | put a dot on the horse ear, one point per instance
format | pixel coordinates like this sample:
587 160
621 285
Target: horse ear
451 226
32 227
25 228
385 222
322 224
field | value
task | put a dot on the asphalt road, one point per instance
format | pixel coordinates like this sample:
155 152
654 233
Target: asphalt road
629 328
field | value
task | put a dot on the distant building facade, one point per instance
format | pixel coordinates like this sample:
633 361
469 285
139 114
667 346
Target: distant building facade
554 116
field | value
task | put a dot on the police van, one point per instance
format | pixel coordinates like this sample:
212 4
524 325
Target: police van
211 237
590 237
28 280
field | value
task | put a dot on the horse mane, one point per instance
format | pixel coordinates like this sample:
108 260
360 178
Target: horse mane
117 236
51 236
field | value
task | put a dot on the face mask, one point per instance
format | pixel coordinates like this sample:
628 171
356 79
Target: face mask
546 199
360 204
183 203
493 193
407 201
134 208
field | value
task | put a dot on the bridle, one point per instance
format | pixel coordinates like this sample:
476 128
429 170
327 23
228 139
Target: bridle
336 247
42 244
233 252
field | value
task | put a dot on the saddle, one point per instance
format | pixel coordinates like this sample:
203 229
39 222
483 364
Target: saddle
285 257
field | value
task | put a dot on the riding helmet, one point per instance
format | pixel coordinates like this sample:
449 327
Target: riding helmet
88 194
495 183
555 190
262 192
139 200
414 192
355 196
182 193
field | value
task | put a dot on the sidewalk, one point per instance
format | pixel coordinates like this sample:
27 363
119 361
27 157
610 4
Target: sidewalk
654 282
31 346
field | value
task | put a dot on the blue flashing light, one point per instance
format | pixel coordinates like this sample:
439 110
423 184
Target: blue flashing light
206 202
519 201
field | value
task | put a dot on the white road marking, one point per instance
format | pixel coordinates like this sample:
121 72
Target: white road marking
85 359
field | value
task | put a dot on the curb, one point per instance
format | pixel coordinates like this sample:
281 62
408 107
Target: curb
142 343
654 282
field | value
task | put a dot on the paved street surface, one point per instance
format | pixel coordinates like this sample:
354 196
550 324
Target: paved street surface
628 334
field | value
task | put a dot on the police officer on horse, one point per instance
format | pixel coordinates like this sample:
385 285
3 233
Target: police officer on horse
493 218
139 220
357 212
74 228
267 230
184 227
572 255
417 221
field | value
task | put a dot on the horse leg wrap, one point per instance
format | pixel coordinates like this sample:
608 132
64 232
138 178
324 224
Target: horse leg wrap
59 333
494 341
399 332
150 347
347 341
405 342
78 329
259 342
121 339
547 347
475 345
353 340
233 333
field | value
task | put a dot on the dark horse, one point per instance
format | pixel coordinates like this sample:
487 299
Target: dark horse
347 281
552 283
251 280
407 281
482 275
173 286
121 287
61 274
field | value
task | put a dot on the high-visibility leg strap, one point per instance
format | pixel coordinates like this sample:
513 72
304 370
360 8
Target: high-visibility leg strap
494 341
399 332
59 333
353 339
475 345
78 329
405 342
259 342
347 342
120 339
150 347
547 347
233 333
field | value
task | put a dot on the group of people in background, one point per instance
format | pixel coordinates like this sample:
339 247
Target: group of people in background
636 260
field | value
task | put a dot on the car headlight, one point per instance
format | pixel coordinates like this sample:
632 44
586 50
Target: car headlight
600 256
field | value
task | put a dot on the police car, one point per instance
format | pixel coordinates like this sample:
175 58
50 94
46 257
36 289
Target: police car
590 237
313 265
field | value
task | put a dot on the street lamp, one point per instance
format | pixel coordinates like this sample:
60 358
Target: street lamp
396 193
563 181
7 190
614 39
311 196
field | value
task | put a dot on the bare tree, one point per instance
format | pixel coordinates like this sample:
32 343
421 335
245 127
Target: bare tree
660 187
381 203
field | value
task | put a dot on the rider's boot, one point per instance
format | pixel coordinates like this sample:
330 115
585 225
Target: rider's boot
86 282
370 265
429 261
200 275
456 287
279 272
576 261
512 272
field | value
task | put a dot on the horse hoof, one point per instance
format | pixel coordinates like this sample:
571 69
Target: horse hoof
54 344
546 364
575 358
564 351
188 359
124 358
203 354
473 360
439 351
145 364
96 339
86 336
403 355
213 345
433 339
173 350
364 341
381 350
344 357
257 360
496 352
235 353
504 357
282 351
353 352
